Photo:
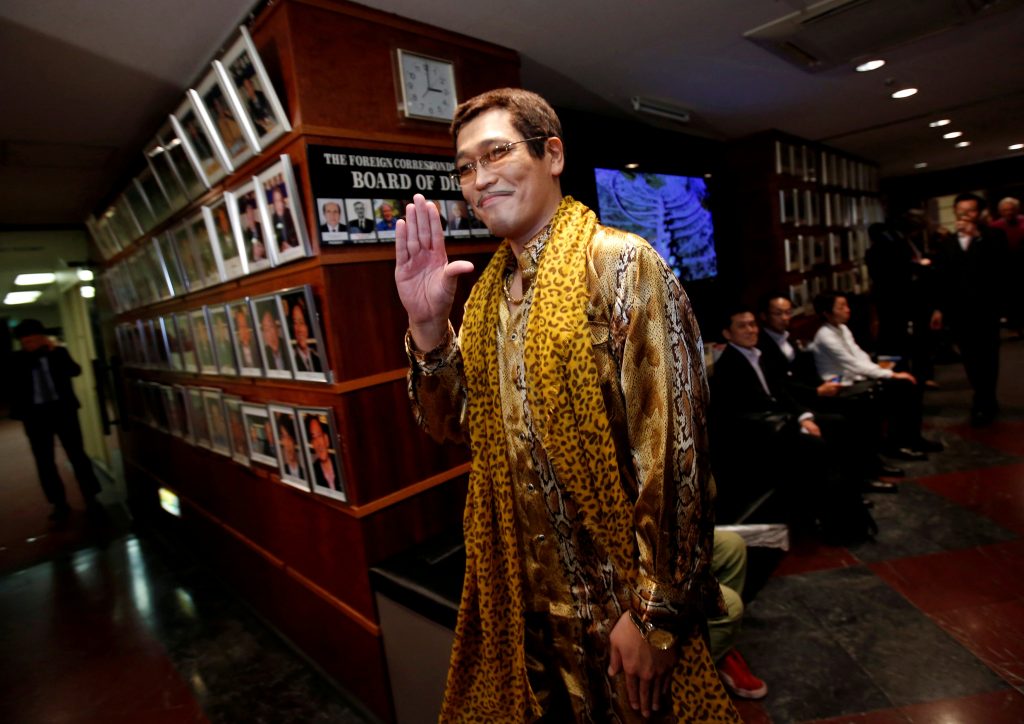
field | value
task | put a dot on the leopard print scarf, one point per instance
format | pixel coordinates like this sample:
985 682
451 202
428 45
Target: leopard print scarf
487 680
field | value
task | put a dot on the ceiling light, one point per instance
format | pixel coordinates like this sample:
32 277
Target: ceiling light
27 280
904 93
85 275
707 175
631 166
21 297
923 164
938 123
963 144
952 134
87 291
870 65
1015 146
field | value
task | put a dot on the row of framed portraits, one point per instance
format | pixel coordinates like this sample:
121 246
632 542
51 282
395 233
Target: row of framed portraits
849 281
803 252
301 443
365 220
231 114
275 335
803 207
252 227
824 167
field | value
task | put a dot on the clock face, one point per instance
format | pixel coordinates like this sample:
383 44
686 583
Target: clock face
428 87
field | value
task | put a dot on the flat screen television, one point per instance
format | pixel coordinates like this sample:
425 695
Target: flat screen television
671 212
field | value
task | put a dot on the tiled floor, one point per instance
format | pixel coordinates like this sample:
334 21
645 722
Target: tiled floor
926 624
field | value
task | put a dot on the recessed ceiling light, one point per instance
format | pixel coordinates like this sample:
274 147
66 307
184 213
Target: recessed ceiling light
923 164
21 297
707 175
631 166
870 65
27 280
86 275
904 93
1015 146
87 292
963 144
952 134
938 123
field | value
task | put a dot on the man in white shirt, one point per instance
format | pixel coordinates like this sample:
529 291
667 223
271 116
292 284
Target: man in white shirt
839 358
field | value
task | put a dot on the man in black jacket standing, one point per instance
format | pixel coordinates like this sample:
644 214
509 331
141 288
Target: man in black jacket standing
43 399
971 265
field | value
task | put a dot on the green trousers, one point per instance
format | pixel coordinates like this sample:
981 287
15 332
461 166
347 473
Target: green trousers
729 564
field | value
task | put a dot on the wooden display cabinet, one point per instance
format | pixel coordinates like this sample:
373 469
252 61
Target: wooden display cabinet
302 560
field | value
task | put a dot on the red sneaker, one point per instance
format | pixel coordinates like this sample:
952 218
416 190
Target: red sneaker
738 679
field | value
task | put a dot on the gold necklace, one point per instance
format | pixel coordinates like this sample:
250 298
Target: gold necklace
507 288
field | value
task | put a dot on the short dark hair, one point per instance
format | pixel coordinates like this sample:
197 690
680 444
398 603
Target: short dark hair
531 115
28 328
826 302
970 197
730 311
765 300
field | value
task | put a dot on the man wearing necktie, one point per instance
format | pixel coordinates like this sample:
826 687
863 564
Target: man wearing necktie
43 399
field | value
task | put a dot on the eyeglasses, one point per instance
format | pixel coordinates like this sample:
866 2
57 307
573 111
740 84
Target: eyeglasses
465 172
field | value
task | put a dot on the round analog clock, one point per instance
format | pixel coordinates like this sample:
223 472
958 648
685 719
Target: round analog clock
428 87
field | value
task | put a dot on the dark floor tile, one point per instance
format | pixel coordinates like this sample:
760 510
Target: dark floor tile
957 579
996 492
1007 436
917 522
960 454
752 712
807 555
885 716
994 633
997 707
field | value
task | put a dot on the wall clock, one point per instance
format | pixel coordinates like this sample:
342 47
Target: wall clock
428 87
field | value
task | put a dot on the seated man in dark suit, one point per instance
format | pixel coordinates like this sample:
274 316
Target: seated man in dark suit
43 399
755 413
787 361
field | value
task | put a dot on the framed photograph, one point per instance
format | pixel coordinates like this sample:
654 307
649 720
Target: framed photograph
184 248
778 157
459 221
222 345
236 429
303 334
798 295
361 226
835 249
187 340
386 214
819 243
174 422
793 256
198 144
249 225
807 249
139 205
127 225
155 269
151 187
168 146
785 216
271 336
799 210
321 447
162 170
244 72
286 439
216 421
156 333
144 276
216 104
157 410
180 396
230 261
286 231
243 336
475 225
259 435
203 341
170 263
204 249
197 418
331 217
170 328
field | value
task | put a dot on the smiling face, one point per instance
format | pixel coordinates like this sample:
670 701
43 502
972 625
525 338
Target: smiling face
516 196
318 439
300 328
742 330
386 212
332 214
269 329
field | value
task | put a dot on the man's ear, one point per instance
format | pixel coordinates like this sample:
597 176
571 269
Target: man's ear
556 154
726 334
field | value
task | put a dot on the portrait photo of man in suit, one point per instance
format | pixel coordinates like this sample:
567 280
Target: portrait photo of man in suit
358 221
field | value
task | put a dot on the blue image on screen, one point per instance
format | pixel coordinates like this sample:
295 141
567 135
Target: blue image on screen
669 211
